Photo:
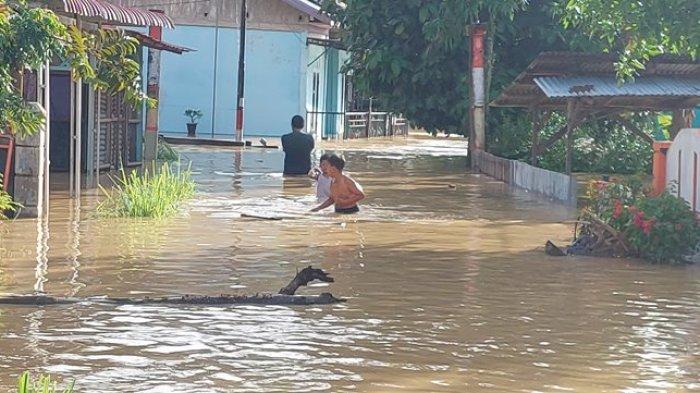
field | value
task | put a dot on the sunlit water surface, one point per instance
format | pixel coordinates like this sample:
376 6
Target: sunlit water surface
447 285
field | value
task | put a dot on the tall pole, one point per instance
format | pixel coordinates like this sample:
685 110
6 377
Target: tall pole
47 138
71 145
216 68
478 113
77 177
150 151
241 74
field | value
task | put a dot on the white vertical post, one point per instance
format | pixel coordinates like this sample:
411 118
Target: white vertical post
99 138
78 137
43 78
71 141
76 98
47 151
90 142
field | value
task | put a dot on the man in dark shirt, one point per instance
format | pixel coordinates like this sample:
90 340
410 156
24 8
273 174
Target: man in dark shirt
297 148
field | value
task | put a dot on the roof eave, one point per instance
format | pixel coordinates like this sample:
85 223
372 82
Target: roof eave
310 8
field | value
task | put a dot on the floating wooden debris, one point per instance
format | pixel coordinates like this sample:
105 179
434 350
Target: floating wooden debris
261 217
553 250
594 237
286 296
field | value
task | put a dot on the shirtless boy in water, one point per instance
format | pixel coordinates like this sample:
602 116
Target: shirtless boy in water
345 193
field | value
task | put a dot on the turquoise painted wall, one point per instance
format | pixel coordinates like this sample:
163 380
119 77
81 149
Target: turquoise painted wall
696 122
327 63
275 80
316 96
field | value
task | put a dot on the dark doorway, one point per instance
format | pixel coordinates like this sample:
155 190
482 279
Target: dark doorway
60 114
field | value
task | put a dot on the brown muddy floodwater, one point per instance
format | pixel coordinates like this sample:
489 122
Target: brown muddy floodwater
448 290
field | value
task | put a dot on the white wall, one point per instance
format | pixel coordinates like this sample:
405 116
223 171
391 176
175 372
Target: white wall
683 167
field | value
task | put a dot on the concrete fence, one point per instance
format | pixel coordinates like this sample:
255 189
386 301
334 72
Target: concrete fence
554 185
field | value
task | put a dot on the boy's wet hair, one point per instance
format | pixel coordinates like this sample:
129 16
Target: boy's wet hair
325 157
297 122
336 162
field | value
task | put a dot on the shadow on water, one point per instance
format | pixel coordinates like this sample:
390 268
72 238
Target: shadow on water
448 287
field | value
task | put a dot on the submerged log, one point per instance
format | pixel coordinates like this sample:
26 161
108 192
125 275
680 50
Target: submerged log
285 297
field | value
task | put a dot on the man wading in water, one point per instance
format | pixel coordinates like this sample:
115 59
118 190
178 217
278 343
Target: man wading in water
297 148
345 192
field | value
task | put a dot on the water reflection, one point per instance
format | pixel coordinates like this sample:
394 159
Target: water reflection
42 250
74 220
448 290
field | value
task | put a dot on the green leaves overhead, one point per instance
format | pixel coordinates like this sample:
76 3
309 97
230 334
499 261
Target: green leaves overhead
637 30
414 57
31 36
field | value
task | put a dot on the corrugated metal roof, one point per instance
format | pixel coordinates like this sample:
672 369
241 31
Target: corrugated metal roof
310 8
150 42
581 63
602 86
115 13
675 78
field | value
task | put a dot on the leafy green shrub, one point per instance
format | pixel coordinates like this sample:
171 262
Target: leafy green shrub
150 194
6 203
663 229
599 147
43 384
166 152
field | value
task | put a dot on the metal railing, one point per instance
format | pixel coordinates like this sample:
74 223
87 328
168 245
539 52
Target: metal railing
354 125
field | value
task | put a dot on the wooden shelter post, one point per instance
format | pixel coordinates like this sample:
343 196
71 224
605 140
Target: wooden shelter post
536 127
539 120
571 123
679 121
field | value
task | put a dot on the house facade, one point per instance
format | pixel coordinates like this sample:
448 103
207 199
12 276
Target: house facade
290 67
87 132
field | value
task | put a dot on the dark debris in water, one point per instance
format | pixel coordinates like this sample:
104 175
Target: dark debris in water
286 296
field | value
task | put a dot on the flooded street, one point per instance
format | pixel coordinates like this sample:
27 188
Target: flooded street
447 285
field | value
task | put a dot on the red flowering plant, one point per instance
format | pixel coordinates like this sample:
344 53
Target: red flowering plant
662 229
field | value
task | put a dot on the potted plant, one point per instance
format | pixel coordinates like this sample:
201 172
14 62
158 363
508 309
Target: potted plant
194 115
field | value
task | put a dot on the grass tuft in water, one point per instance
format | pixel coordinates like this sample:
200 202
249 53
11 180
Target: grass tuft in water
155 194
43 384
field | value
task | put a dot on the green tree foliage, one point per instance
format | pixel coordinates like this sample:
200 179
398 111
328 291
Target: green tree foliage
637 30
27 39
603 146
30 36
414 57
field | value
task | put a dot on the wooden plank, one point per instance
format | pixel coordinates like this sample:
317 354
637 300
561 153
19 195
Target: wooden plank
552 140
